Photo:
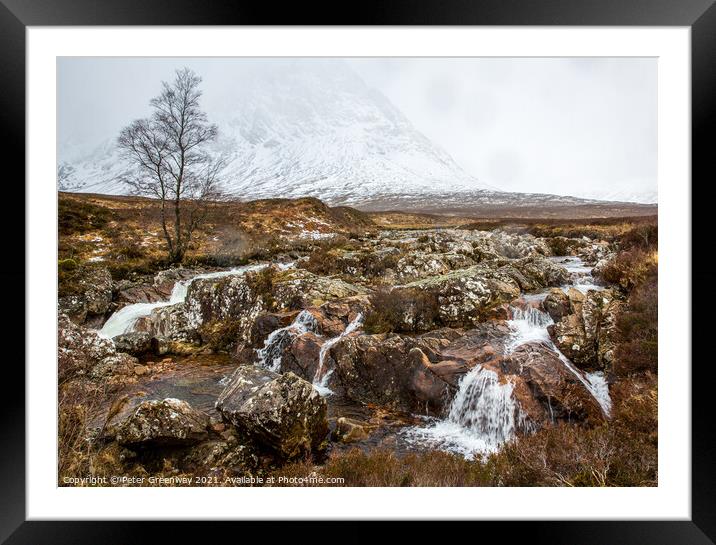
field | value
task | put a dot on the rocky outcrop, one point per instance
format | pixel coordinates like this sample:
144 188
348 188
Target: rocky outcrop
557 304
464 297
415 374
241 300
545 388
82 352
170 322
301 288
537 272
160 423
587 335
93 286
282 414
415 266
136 344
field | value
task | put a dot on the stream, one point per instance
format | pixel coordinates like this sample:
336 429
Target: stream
484 414
124 319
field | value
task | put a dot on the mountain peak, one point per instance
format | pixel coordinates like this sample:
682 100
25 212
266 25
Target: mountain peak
308 129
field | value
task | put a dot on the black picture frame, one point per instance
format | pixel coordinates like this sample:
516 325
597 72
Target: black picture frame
699 15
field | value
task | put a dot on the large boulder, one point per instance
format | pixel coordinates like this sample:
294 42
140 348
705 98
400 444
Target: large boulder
537 272
301 355
170 322
509 245
415 374
92 297
556 304
465 297
416 265
282 414
559 392
162 423
136 343
301 288
587 335
82 352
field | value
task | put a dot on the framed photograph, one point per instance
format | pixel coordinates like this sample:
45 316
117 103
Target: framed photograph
433 263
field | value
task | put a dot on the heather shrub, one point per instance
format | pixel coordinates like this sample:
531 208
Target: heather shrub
74 216
262 284
322 261
630 268
644 236
375 264
637 331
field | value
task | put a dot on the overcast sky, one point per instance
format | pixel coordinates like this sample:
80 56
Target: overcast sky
548 125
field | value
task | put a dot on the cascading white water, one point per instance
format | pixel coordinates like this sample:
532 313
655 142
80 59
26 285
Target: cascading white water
530 325
581 274
482 416
124 319
320 379
278 340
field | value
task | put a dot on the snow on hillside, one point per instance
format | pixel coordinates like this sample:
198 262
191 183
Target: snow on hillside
317 130
312 129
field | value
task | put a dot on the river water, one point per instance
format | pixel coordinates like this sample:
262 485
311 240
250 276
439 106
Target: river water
484 413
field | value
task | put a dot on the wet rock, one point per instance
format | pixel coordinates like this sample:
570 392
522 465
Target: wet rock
171 323
282 414
83 352
556 304
587 335
560 393
93 297
348 431
164 281
129 293
301 355
267 323
167 422
333 317
464 297
136 344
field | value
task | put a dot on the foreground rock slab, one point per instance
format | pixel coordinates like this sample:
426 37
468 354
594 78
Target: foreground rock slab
283 414
166 422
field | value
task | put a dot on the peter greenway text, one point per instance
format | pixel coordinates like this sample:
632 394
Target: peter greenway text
189 480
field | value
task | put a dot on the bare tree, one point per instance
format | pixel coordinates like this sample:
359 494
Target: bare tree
169 154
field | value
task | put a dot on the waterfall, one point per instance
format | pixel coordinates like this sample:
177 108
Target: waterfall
320 379
278 340
482 416
124 319
530 325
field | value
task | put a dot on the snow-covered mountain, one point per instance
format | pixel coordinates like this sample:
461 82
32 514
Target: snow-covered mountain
637 195
315 129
